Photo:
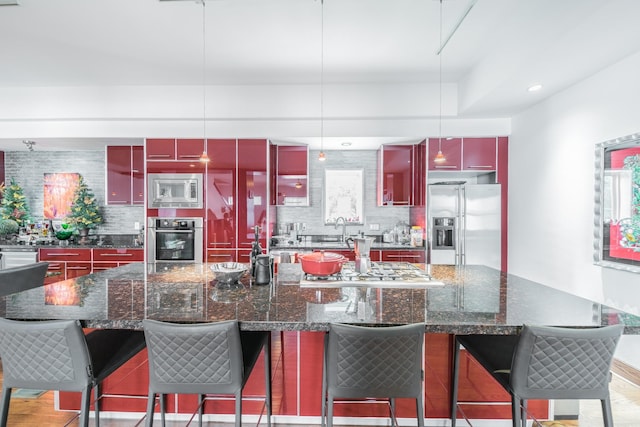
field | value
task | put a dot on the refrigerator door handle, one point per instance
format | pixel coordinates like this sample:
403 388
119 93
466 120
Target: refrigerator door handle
463 225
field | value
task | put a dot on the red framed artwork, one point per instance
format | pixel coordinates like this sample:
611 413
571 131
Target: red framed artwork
59 189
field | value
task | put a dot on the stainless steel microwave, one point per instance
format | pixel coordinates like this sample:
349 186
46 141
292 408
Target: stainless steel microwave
175 190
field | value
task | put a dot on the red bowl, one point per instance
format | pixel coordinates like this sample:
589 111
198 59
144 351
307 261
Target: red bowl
321 263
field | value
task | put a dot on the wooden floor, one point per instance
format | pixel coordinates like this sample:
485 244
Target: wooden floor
39 412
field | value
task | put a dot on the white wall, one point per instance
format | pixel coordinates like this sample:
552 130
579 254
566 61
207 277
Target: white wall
551 189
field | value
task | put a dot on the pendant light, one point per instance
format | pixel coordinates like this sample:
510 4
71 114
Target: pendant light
440 158
204 158
321 156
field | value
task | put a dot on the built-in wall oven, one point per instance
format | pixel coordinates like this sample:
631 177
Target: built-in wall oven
174 239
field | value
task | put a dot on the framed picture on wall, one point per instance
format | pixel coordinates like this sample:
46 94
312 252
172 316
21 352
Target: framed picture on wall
343 195
59 189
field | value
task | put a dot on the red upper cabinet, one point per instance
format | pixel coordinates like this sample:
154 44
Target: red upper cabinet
479 154
137 175
119 175
161 149
189 149
125 175
452 151
221 194
252 190
292 179
396 175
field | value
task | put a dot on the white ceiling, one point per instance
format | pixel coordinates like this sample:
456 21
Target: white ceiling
500 48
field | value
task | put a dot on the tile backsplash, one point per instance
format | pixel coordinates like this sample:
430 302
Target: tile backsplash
313 215
28 169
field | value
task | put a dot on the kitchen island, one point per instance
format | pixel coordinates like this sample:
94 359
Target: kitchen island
461 300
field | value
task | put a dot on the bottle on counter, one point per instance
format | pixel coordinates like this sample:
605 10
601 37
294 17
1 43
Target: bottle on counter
416 236
256 250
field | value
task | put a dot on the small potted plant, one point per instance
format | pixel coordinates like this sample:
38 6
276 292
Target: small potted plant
8 228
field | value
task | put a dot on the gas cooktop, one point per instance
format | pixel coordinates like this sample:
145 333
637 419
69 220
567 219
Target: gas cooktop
382 274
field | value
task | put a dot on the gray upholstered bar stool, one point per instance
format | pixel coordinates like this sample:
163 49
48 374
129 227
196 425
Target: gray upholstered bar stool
204 358
57 355
17 279
373 362
544 363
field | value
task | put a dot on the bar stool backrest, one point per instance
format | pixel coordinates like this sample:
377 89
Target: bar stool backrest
374 362
563 363
49 355
194 358
21 278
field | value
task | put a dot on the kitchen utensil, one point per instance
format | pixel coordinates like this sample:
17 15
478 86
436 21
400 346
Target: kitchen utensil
228 273
322 263
263 270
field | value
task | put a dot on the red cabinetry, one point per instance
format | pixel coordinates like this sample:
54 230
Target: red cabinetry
161 149
252 191
404 255
115 257
464 154
221 194
479 154
396 177
174 149
65 263
291 175
189 149
236 196
125 175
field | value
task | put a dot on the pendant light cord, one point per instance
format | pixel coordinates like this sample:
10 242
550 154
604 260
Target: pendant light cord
204 74
440 79
321 157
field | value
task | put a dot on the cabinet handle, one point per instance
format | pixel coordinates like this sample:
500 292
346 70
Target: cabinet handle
220 244
403 256
54 267
159 155
244 255
115 254
135 170
64 254
480 166
117 202
446 167
189 156
77 268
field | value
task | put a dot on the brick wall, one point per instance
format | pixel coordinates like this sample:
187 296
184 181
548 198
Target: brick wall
28 169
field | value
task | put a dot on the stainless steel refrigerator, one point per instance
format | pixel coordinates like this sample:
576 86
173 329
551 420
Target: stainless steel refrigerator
464 224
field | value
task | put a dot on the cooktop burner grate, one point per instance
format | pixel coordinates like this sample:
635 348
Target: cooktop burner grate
379 272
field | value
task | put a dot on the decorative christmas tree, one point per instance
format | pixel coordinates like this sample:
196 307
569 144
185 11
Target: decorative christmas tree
14 204
84 209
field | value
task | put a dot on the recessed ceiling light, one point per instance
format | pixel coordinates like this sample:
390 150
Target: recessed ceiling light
534 88
346 144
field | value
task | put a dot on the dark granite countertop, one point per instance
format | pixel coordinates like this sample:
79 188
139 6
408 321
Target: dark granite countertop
474 299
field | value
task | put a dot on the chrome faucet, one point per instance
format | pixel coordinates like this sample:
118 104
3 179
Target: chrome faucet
344 227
